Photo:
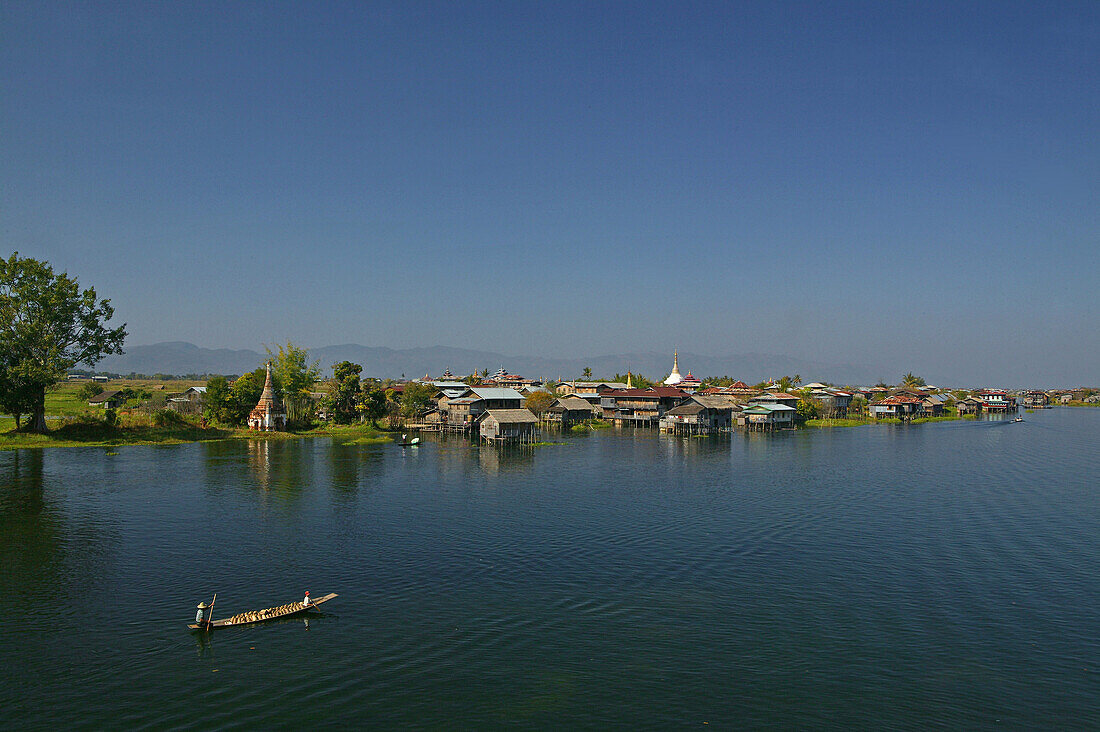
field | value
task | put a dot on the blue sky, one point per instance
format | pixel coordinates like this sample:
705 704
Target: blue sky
913 185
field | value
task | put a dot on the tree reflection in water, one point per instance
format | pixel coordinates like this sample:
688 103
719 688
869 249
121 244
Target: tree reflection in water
46 554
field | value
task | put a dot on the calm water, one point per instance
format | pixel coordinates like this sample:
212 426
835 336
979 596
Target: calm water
899 577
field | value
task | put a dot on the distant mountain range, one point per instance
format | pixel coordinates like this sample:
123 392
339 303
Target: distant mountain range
180 358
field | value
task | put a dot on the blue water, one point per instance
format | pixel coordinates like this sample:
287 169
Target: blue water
876 577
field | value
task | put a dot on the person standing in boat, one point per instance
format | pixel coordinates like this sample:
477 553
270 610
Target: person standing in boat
200 616
305 602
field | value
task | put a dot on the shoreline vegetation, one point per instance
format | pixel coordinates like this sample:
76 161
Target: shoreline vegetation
138 431
142 430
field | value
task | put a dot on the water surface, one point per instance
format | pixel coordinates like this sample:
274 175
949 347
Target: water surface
907 576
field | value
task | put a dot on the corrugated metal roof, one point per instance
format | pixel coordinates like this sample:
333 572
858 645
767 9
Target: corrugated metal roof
761 408
497 393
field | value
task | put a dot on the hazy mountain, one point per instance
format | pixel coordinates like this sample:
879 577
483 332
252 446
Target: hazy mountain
187 358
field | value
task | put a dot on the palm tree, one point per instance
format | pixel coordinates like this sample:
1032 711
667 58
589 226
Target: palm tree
587 373
910 381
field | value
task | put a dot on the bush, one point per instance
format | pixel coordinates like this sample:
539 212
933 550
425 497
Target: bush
110 418
168 418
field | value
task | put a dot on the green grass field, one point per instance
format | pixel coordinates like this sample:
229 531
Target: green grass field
72 423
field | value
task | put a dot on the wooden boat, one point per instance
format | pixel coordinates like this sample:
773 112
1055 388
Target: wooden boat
259 616
410 443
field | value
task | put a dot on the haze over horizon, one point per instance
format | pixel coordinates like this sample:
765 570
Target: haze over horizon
844 182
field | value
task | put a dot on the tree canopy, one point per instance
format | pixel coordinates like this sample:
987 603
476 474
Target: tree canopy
48 325
538 402
343 391
912 381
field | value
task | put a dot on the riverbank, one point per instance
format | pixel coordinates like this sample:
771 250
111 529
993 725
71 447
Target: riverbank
83 433
859 421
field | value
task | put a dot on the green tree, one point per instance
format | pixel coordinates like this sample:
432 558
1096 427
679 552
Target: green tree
48 326
910 381
538 402
89 390
216 403
587 374
808 407
372 402
245 393
15 398
290 366
416 398
343 391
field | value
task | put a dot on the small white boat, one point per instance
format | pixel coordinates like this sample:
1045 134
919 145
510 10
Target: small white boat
1018 419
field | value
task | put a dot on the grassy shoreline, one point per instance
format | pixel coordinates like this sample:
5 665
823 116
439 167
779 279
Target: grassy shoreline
858 422
84 433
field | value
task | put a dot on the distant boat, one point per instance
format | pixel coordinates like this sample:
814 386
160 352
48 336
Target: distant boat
259 616
1018 419
409 443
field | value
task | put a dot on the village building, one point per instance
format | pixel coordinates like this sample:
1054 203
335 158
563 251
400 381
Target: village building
780 397
187 402
589 388
902 406
108 399
766 417
268 414
504 379
569 410
690 384
463 411
1036 399
509 425
934 405
640 407
997 400
700 415
969 405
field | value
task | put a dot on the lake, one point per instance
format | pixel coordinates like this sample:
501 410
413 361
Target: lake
888 576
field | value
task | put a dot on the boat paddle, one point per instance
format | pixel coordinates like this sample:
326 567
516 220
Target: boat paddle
210 618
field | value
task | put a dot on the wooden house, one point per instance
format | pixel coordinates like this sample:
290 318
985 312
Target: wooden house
640 407
901 406
187 402
1036 399
509 425
108 399
933 405
997 400
569 410
767 417
969 405
700 415
779 397
589 387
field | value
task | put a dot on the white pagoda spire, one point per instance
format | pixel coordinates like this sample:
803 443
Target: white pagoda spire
674 378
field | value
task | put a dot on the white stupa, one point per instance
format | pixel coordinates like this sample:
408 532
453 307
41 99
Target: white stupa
674 378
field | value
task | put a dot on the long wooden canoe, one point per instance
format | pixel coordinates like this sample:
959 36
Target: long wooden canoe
259 616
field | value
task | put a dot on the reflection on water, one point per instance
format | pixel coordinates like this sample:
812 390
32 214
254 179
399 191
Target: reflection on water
849 578
47 553
497 459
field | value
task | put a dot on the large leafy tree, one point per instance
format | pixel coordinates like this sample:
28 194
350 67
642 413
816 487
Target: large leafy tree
373 401
539 401
48 325
343 391
416 398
